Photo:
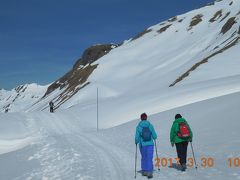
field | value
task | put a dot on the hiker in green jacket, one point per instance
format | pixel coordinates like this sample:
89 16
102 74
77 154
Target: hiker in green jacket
180 135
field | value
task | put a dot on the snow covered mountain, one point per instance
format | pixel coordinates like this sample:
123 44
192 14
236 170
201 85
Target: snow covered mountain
185 49
196 52
20 98
188 64
24 96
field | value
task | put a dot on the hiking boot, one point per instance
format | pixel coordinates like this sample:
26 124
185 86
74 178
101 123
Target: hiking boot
184 167
149 175
144 173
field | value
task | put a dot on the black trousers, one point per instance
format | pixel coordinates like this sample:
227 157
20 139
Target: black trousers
51 109
182 151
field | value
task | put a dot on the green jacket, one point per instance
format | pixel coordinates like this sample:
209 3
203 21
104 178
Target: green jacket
174 130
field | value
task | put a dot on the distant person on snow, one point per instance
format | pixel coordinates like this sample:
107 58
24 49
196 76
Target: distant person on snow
51 105
145 134
180 135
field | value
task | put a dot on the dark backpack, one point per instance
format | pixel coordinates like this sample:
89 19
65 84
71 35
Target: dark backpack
184 131
146 134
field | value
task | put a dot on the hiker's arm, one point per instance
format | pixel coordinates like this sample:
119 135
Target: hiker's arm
137 136
154 134
191 134
172 134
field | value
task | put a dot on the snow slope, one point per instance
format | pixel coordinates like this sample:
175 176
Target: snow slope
65 146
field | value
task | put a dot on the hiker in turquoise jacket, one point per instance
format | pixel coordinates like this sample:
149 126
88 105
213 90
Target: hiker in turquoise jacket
181 142
146 146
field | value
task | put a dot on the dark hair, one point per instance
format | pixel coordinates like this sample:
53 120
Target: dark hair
143 116
178 116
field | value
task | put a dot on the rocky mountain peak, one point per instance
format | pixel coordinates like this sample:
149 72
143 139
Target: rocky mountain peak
77 77
93 53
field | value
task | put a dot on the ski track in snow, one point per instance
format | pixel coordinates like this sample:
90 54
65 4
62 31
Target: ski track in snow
73 155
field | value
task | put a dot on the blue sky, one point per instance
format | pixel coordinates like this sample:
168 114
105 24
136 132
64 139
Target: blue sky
41 39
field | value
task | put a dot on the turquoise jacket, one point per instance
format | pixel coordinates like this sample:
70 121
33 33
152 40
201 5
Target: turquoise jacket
138 138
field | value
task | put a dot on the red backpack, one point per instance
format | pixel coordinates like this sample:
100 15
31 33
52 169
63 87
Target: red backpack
184 131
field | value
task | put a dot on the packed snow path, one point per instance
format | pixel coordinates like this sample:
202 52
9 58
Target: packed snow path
67 152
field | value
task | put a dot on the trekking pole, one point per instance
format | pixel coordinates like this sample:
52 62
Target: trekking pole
193 156
156 152
135 163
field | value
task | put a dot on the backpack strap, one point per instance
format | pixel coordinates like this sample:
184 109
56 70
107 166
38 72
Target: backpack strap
146 126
